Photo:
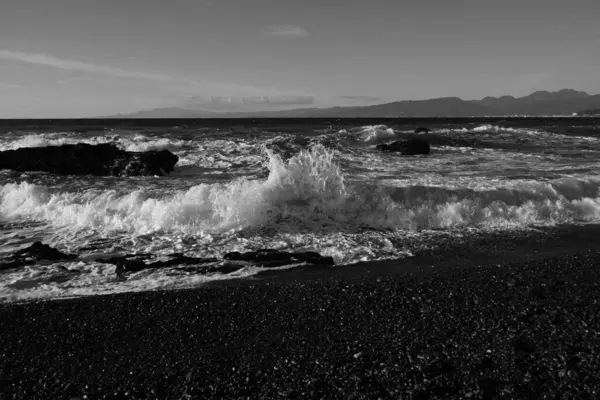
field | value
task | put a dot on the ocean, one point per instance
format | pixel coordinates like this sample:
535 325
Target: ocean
291 185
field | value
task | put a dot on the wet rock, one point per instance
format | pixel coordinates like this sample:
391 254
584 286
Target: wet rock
274 258
406 147
420 129
33 254
180 263
137 262
264 258
84 159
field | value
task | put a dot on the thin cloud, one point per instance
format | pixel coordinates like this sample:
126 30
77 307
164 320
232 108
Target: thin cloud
71 65
174 83
287 31
264 100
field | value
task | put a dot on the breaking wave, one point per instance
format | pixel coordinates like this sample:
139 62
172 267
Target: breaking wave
135 143
308 191
372 133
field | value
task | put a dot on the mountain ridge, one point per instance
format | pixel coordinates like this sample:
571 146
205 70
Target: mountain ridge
539 103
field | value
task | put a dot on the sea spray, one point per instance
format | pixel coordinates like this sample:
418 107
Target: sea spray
137 143
290 188
371 133
306 191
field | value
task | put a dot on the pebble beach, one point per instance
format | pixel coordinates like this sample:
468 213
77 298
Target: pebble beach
514 319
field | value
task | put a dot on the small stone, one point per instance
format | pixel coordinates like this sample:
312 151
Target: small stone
573 374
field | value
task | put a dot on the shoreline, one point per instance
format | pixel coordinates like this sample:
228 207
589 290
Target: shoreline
469 251
496 248
514 324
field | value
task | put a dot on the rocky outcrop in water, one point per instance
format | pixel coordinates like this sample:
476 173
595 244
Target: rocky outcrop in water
84 159
33 254
275 258
420 129
231 262
138 262
406 147
128 263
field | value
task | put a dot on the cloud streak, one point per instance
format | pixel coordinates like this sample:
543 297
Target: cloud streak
180 84
71 65
258 100
286 31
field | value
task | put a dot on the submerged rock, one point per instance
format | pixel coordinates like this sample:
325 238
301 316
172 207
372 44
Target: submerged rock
274 258
85 159
137 262
406 147
129 263
264 258
420 129
34 253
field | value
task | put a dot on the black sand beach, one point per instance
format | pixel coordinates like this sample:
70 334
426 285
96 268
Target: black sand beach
507 319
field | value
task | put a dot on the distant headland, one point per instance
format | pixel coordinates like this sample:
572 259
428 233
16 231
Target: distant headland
541 103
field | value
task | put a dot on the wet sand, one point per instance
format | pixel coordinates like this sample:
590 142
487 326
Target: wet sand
513 317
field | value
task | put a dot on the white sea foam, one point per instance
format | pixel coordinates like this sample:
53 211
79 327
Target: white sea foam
370 133
129 143
535 134
338 196
76 279
307 191
495 128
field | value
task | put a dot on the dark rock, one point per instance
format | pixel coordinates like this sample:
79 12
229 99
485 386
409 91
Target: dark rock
85 159
420 129
136 262
406 147
34 253
274 258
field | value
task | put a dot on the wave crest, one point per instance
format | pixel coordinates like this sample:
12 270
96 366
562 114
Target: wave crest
137 143
307 191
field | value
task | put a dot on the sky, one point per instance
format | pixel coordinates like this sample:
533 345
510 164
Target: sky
84 58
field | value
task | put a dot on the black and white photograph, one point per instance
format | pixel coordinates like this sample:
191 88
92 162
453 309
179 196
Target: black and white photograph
299 199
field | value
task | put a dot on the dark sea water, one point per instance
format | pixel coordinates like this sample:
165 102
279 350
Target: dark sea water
294 185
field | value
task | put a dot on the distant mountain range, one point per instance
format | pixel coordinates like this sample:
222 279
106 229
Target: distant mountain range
562 102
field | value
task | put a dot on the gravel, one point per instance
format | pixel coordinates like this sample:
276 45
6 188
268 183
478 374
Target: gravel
527 329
